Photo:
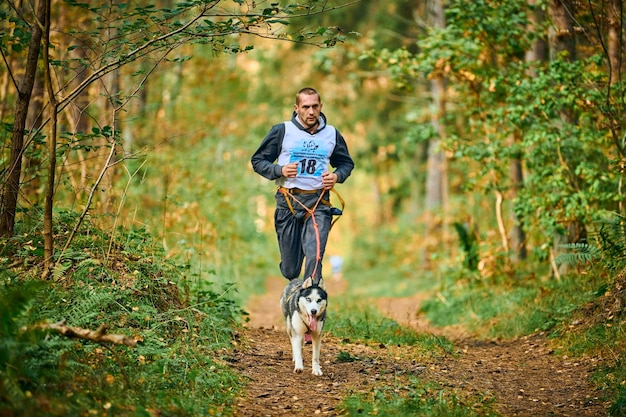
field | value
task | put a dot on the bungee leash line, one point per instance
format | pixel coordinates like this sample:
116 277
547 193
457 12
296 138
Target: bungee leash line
311 212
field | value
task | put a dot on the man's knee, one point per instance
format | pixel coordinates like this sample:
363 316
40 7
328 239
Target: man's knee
289 272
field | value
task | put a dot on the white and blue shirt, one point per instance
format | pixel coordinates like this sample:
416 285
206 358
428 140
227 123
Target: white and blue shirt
315 153
311 152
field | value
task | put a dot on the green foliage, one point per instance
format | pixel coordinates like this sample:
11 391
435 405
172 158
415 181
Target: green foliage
553 117
346 357
353 320
14 301
198 22
580 253
132 41
607 248
611 378
176 368
356 320
612 241
193 189
469 246
598 327
511 311
417 397
208 226
580 183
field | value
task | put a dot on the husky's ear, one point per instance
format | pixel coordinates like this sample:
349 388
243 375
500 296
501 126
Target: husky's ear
321 284
307 283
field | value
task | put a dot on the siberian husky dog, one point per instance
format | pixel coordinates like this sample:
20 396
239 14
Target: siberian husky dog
304 306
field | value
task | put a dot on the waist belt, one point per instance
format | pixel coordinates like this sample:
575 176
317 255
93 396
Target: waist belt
300 191
287 192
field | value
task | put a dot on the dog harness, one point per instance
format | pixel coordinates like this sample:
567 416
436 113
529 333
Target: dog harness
288 193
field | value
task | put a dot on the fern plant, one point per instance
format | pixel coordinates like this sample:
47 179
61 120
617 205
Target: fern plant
579 253
128 286
608 251
16 346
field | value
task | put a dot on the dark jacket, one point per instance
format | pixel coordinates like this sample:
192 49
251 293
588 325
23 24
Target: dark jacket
264 158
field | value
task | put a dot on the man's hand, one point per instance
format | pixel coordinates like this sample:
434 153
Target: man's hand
290 170
329 179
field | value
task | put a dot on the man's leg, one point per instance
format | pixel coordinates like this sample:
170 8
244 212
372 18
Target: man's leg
288 232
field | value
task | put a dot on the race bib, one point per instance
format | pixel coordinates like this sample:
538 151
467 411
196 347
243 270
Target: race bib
310 157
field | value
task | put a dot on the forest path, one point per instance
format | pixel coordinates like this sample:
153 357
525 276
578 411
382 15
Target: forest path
522 376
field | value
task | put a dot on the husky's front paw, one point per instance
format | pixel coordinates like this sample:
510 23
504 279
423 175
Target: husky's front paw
298 366
317 371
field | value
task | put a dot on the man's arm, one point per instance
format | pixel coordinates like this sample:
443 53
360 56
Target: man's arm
341 159
263 159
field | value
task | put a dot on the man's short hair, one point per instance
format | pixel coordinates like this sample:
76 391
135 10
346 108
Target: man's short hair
308 91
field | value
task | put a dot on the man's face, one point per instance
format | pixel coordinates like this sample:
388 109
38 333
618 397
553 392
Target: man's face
308 108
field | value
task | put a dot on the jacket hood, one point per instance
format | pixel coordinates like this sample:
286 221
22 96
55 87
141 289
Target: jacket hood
296 121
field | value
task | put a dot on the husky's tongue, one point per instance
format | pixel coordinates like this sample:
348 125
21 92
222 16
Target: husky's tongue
312 323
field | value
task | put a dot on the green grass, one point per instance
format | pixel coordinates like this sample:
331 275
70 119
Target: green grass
176 369
582 313
357 321
610 378
187 322
383 282
416 398
510 309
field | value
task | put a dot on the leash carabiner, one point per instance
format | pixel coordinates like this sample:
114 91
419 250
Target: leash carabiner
343 206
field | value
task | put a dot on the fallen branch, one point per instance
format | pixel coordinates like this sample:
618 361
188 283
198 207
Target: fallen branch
99 335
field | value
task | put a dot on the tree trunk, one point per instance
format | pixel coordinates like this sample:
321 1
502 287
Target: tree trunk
563 43
537 53
13 66
614 48
561 33
437 170
4 91
48 234
518 235
435 198
31 187
12 186
614 43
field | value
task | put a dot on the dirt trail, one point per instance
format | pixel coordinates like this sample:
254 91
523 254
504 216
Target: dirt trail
523 376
